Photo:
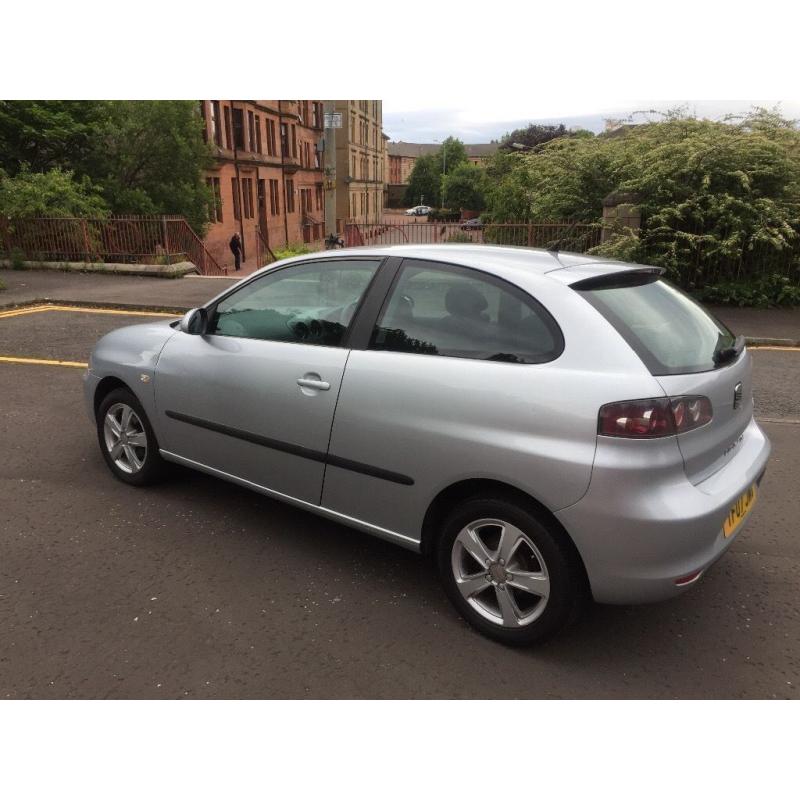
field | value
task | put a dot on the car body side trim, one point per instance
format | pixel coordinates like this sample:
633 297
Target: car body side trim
382 533
293 449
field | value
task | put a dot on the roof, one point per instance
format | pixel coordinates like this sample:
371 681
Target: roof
509 262
412 150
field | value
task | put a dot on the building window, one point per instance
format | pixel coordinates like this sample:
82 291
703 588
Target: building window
284 139
271 149
247 197
315 115
317 164
216 128
290 196
238 129
353 173
320 197
237 209
251 131
294 141
258 135
203 117
215 207
274 198
228 136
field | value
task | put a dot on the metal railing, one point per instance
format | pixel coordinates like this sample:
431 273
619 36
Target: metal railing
264 254
121 240
576 237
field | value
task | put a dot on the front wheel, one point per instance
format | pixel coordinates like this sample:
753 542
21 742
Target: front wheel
127 440
508 571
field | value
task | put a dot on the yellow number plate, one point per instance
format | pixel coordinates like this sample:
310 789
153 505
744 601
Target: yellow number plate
741 508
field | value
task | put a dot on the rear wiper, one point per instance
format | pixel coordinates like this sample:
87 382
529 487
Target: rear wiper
729 353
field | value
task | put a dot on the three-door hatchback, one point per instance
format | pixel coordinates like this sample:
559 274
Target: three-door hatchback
545 426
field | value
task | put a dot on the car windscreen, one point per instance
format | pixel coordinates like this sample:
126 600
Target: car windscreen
670 332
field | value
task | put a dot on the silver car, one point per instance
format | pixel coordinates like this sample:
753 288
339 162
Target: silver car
546 427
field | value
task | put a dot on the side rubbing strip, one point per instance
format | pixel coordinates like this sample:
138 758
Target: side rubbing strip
293 449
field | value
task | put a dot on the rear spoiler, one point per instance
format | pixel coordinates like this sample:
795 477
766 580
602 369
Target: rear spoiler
619 280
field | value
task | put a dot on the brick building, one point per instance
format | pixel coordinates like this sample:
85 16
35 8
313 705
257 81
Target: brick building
360 161
267 176
401 157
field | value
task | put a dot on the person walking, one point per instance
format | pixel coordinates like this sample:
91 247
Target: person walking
236 248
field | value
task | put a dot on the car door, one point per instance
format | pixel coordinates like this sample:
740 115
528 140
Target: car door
458 381
253 397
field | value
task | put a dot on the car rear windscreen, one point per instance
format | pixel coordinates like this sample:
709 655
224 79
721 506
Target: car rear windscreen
670 332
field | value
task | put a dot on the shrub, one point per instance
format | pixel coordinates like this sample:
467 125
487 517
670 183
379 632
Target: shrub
17 259
459 237
765 291
291 250
444 215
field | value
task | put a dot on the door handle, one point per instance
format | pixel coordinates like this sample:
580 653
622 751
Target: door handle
312 383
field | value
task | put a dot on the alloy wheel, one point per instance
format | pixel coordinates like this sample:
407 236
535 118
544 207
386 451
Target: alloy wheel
125 438
500 572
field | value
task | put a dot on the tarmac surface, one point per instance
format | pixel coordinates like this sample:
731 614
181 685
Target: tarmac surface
198 588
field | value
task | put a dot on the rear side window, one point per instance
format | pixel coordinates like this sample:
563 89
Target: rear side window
444 310
670 332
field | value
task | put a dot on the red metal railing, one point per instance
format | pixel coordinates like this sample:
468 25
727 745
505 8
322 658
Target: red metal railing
122 240
568 236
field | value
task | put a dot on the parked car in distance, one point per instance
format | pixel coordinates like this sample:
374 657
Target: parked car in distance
546 427
473 224
418 211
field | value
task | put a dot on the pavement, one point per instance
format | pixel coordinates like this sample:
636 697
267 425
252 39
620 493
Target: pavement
200 589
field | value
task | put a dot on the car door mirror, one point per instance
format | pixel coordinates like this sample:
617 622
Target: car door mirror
194 321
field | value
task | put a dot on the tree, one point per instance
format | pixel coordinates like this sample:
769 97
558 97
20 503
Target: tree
143 157
465 187
424 182
711 193
532 136
55 193
48 133
149 159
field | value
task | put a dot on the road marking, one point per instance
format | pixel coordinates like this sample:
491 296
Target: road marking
773 347
17 312
43 361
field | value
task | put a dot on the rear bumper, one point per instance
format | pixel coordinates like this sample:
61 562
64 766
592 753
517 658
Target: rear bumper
642 525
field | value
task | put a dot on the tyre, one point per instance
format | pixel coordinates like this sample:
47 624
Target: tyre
127 440
509 571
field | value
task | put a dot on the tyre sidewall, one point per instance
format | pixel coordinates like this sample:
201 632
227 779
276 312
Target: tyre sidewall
566 590
151 470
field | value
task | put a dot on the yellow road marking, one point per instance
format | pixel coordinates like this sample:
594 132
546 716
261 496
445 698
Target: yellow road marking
17 312
773 347
45 361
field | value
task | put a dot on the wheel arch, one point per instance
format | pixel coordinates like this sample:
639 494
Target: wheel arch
458 492
107 385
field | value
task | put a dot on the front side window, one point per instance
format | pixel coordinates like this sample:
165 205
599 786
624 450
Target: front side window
464 313
312 303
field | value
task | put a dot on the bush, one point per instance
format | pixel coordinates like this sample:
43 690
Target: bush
459 237
444 215
291 250
765 291
17 259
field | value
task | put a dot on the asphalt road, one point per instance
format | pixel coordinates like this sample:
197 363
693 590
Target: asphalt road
197 588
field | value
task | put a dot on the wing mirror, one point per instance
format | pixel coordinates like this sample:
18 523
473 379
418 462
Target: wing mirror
194 321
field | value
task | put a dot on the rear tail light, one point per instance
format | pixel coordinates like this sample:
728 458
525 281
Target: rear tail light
654 417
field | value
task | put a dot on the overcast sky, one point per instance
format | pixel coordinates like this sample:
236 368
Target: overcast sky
486 121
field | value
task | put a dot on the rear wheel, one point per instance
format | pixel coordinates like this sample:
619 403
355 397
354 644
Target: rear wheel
127 440
508 570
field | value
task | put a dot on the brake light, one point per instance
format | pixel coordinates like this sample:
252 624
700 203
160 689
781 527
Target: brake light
654 417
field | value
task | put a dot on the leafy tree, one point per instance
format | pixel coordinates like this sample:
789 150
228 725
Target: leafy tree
424 182
149 159
714 196
451 154
48 133
143 157
55 193
533 135
465 187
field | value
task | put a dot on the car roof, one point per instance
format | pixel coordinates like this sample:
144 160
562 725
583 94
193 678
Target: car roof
507 262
